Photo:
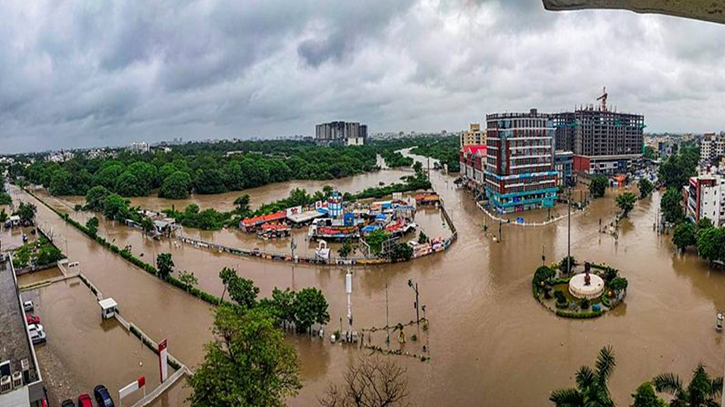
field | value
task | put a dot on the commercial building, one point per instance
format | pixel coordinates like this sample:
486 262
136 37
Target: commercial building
519 170
20 381
704 197
474 136
564 166
609 139
341 133
712 147
472 159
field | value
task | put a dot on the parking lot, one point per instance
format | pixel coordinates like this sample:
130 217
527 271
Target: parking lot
82 350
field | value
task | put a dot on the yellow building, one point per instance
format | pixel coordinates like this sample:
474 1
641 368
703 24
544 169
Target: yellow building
473 137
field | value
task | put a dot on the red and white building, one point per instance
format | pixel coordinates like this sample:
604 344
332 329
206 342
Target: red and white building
704 197
472 159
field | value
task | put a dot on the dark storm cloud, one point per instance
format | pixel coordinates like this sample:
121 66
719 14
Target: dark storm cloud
80 73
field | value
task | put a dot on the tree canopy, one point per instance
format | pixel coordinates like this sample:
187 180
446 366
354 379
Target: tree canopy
598 186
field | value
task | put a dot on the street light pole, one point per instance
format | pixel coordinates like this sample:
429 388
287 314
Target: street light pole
417 303
568 244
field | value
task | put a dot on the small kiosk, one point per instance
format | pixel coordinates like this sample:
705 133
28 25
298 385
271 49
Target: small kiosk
108 308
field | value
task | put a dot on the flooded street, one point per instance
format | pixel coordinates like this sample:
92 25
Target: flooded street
491 342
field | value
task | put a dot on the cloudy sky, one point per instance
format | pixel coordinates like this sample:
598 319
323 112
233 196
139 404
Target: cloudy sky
92 73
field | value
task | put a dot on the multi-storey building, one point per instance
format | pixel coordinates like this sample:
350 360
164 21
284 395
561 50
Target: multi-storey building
712 147
20 382
472 160
704 197
474 136
519 171
609 140
141 147
341 133
564 166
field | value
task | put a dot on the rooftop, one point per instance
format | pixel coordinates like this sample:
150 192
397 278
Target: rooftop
15 344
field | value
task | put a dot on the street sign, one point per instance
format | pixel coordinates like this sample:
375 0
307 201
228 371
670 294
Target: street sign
140 383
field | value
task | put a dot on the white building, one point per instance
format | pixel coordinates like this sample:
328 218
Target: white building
141 147
705 198
712 147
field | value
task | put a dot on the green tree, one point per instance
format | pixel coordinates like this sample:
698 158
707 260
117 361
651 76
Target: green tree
375 240
108 175
684 236
242 204
226 275
62 183
678 168
591 384
3 216
5 198
704 223
96 198
247 364
116 207
422 238
147 224
310 307
129 185
543 274
281 305
625 202
209 181
598 186
92 226
671 205
418 167
645 396
188 279
702 391
619 284
164 264
645 187
564 263
243 292
26 212
401 252
345 249
711 244
176 186
650 153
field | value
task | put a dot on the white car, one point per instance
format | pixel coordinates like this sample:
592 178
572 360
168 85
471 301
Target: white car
37 336
35 327
28 306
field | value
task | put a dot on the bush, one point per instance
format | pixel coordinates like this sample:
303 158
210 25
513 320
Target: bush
584 303
578 315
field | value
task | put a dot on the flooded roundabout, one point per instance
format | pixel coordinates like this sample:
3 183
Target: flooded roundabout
490 342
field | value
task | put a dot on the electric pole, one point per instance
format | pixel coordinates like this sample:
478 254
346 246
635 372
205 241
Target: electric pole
417 309
568 243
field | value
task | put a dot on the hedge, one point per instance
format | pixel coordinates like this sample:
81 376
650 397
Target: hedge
578 315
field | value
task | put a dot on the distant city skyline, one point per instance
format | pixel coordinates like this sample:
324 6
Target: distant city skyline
79 76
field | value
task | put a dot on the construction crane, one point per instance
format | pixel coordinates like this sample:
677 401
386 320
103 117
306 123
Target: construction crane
603 98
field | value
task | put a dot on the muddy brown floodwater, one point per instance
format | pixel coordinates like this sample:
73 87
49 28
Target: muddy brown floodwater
491 343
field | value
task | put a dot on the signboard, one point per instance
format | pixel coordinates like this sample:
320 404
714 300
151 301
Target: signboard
140 383
163 360
294 211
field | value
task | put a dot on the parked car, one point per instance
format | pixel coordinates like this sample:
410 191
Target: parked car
35 327
68 403
32 319
84 400
37 337
103 397
28 306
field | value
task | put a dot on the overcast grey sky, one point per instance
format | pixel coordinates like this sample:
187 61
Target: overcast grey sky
92 73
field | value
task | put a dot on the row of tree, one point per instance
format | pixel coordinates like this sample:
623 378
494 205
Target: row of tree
708 239
592 388
205 168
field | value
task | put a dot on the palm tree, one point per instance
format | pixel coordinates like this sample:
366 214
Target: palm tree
626 201
591 385
701 392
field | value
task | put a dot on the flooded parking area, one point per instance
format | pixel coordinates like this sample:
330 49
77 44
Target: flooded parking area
83 350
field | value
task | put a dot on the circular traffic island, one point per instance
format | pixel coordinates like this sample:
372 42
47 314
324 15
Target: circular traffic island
588 292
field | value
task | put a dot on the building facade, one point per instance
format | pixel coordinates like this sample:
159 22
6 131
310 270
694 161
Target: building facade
519 171
611 140
704 197
564 166
341 133
474 136
472 159
712 147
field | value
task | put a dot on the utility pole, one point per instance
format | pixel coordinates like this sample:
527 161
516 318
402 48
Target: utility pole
428 168
348 289
417 310
568 244
543 255
293 246
387 316
499 230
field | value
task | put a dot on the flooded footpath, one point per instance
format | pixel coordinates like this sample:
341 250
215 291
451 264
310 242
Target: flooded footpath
490 342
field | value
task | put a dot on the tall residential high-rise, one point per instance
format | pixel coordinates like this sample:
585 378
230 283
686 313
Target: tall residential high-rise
341 133
519 172
474 136
712 147
604 140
